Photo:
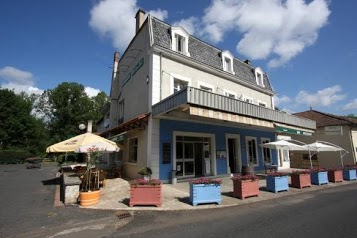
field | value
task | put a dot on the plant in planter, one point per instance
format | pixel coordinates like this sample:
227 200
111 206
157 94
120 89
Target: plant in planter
245 186
349 172
301 178
277 182
335 175
319 176
90 186
145 192
205 190
146 172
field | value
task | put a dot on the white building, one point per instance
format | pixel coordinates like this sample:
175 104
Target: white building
178 103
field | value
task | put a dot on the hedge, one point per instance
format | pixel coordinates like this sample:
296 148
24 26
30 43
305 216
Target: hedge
14 156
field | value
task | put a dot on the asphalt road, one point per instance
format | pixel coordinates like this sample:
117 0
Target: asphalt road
27 207
324 213
27 210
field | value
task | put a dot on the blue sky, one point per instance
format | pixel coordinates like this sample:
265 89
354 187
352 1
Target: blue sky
307 47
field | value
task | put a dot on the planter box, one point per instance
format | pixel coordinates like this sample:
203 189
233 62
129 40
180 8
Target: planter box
349 174
319 178
277 184
205 193
335 176
300 180
245 188
145 195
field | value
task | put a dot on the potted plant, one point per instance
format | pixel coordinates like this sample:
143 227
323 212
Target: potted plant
301 178
277 182
335 175
145 192
245 186
90 180
349 172
319 176
145 172
205 190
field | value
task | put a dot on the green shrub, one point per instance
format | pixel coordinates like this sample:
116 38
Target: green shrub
14 156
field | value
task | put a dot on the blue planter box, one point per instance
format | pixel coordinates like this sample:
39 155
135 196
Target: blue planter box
205 193
349 174
277 184
319 178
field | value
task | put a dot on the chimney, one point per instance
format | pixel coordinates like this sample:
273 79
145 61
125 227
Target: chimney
247 61
89 127
115 64
140 17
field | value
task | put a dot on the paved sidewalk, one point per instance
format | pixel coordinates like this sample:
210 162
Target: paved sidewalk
115 195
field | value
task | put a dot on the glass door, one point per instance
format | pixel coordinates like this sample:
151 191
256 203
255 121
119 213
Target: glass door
185 159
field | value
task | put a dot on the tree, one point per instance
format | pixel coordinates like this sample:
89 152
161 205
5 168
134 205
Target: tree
18 128
66 106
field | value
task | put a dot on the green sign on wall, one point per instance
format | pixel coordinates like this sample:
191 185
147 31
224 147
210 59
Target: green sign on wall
292 131
133 71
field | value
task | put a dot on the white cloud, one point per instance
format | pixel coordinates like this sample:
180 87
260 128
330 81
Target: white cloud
91 92
160 14
281 100
116 20
272 29
325 97
189 24
18 80
351 105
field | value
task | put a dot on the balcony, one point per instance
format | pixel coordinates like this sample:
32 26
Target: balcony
203 99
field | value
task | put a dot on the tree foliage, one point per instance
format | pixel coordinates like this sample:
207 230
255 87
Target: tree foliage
66 106
18 128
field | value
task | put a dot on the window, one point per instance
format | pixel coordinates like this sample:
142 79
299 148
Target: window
247 99
179 85
262 104
230 94
179 40
205 86
133 150
121 112
251 147
227 61
266 152
259 77
178 82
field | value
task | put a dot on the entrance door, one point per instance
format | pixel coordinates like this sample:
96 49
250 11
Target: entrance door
233 155
284 159
198 159
193 156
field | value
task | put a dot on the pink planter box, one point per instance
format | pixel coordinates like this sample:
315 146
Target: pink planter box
245 188
335 176
300 180
145 195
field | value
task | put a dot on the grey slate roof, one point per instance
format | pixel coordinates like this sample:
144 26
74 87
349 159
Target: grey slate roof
205 53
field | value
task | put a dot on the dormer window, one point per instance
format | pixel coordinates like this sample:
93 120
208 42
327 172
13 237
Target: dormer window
259 77
227 61
179 40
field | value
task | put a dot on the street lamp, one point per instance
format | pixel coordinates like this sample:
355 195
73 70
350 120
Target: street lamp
82 127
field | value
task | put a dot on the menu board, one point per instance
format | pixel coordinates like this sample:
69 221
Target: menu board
166 153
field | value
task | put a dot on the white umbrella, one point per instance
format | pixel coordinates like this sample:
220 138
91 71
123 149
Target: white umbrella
320 146
82 143
283 145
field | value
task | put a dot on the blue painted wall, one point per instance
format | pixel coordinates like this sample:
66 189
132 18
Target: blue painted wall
167 127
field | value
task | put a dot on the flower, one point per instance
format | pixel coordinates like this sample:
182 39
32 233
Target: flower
245 177
350 167
335 169
206 181
278 174
301 172
152 182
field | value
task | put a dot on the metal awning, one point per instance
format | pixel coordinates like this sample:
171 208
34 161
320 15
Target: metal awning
138 122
